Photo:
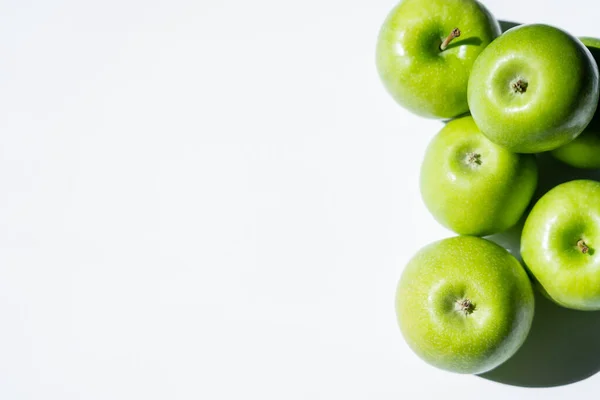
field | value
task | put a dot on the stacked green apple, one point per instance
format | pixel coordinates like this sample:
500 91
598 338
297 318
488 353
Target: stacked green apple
465 304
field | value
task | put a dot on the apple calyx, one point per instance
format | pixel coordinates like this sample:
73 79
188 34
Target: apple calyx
454 34
520 86
473 159
465 306
582 246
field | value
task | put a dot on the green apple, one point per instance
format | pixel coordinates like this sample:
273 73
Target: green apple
560 244
425 52
473 186
584 151
533 89
464 304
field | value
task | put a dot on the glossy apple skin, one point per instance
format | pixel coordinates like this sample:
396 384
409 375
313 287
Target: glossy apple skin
475 198
559 101
420 77
567 213
454 269
584 151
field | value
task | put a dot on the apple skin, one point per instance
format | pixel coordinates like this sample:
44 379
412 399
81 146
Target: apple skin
560 97
448 271
419 76
568 213
584 151
475 196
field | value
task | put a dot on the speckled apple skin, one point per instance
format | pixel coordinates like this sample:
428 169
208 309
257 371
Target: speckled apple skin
475 199
584 151
560 99
420 77
456 268
567 213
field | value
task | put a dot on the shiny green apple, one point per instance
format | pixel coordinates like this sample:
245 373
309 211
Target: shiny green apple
533 89
464 304
472 185
425 52
584 151
560 244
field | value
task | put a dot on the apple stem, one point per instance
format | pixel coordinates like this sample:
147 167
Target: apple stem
520 86
454 34
473 158
582 246
465 306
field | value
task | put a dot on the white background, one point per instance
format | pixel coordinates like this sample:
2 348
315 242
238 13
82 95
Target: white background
215 199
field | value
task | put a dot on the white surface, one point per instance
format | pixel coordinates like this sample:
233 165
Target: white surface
214 200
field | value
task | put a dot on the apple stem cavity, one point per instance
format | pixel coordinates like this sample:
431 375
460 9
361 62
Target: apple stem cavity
473 159
520 86
583 247
454 34
465 306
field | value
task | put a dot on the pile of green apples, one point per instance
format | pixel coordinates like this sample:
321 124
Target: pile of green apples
466 304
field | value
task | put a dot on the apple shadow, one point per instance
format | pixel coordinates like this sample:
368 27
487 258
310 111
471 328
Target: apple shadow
562 346
506 25
472 41
511 239
553 172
